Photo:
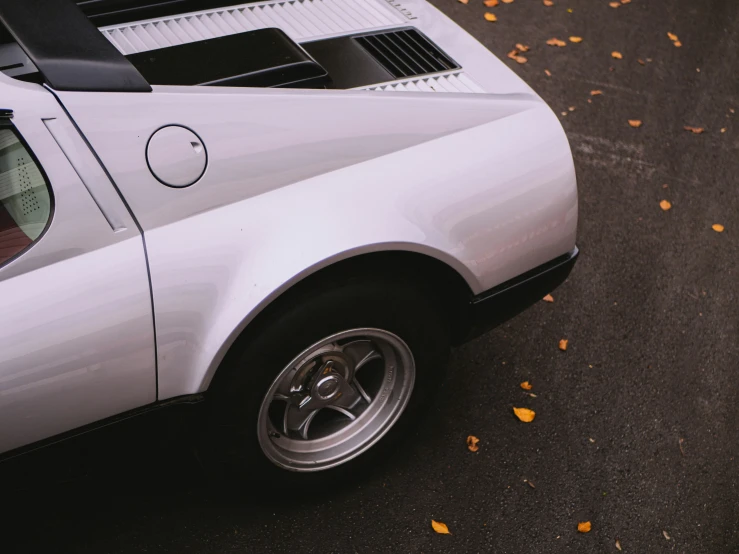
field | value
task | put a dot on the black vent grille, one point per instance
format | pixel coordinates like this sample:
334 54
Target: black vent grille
406 53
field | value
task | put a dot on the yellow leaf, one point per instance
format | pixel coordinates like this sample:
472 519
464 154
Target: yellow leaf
575 39
584 527
472 443
522 47
596 92
548 3
490 16
440 528
635 123
672 36
717 227
617 55
491 3
696 130
526 385
548 298
563 345
665 205
524 414
556 42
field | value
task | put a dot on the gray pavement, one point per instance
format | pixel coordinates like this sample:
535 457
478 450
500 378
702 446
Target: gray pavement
637 424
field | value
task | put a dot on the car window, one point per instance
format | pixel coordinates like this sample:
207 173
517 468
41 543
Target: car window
25 200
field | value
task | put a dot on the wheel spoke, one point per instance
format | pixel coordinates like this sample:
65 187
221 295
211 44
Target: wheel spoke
361 390
344 411
361 352
348 396
297 419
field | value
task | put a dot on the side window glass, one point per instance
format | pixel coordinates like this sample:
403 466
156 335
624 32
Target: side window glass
25 200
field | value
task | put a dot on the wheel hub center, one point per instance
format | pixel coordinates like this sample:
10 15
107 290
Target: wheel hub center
327 387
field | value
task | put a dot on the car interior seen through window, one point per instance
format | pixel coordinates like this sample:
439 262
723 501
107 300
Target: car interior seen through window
25 203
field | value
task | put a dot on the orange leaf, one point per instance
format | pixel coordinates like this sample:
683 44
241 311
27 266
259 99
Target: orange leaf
556 42
549 73
463 1
491 3
723 129
526 385
563 344
641 62
472 443
440 528
615 5
717 227
672 36
548 298
596 92
576 39
626 1
584 527
548 3
507 1
678 44
696 130
617 55
490 16
524 414
635 123
521 59
665 205
522 47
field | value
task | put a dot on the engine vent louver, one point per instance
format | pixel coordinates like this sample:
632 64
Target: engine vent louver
406 53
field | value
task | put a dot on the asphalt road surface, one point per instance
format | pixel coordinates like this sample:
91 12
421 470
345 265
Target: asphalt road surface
637 423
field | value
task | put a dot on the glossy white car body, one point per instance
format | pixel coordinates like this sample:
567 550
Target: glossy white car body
107 313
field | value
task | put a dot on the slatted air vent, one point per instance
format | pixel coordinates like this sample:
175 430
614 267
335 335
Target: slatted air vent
406 53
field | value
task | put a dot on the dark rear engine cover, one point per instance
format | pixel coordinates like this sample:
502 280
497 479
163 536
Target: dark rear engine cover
261 58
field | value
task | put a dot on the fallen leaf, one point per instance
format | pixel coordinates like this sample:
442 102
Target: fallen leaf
635 123
618 545
507 1
591 439
575 39
677 44
641 62
723 129
732 110
526 385
672 36
696 130
472 443
563 344
524 414
626 1
615 5
590 101
680 442
666 535
491 3
665 205
584 527
564 113
571 108
617 55
522 47
490 16
549 73
717 227
548 298
548 3
569 10
596 92
529 483
532 395
440 528
556 42
463 1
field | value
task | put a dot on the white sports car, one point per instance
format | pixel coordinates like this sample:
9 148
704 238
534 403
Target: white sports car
290 209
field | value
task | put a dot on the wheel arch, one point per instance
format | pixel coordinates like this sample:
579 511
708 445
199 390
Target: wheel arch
446 280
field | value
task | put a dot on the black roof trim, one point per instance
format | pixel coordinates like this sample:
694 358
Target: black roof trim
111 12
5 113
67 48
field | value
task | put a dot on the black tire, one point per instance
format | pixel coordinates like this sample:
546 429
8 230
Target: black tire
292 324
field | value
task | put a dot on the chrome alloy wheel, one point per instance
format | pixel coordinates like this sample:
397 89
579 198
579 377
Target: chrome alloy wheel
335 399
